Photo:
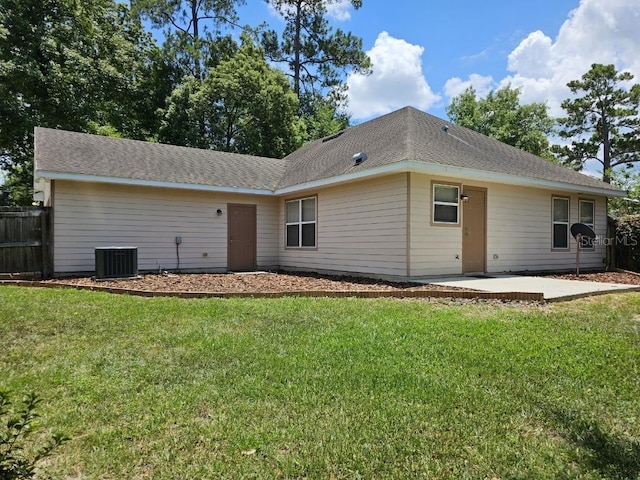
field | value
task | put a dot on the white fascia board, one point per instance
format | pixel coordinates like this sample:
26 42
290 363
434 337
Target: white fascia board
148 183
445 170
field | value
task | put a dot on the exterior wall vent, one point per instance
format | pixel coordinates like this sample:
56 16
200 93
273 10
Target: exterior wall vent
116 262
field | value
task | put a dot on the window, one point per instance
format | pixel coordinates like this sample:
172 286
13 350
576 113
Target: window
445 203
560 223
587 214
301 222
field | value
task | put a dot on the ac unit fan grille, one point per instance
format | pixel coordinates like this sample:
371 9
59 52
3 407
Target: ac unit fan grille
116 262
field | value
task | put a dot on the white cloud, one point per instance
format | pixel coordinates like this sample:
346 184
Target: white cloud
339 10
482 85
598 31
396 80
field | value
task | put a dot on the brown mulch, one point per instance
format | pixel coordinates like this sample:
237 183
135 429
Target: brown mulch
626 278
298 282
252 282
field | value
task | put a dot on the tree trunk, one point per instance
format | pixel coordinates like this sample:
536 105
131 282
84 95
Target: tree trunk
296 48
196 40
606 144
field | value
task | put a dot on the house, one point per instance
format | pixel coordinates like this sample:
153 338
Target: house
403 196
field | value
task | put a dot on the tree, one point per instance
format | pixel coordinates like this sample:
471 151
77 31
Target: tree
245 106
192 30
315 54
63 64
602 121
501 116
628 179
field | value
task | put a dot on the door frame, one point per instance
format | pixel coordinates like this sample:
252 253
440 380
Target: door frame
466 190
230 219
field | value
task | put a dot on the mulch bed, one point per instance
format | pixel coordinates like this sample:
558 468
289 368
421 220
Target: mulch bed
253 283
299 282
266 284
626 278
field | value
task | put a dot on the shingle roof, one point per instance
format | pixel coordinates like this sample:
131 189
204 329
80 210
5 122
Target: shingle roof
61 151
406 135
411 135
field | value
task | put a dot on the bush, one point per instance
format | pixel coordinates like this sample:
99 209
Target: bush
628 242
19 456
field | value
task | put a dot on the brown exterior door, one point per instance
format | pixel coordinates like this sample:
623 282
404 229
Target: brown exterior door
474 230
241 237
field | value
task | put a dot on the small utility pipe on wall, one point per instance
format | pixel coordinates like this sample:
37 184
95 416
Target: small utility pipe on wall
178 242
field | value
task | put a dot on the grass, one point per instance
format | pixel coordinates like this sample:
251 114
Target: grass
328 388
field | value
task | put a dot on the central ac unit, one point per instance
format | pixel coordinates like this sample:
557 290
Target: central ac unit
116 262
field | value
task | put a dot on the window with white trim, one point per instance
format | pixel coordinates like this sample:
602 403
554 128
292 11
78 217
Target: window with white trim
446 207
301 223
560 223
586 215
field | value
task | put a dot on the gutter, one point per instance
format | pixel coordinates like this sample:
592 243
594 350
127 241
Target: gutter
399 167
445 170
77 177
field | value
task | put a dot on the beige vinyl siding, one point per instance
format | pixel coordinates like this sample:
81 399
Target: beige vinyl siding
88 215
434 248
361 228
518 231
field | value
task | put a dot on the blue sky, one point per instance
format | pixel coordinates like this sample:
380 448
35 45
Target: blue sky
426 52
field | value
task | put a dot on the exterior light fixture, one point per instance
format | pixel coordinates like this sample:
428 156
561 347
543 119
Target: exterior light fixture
464 198
219 211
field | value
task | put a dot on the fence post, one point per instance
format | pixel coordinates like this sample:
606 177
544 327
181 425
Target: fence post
45 229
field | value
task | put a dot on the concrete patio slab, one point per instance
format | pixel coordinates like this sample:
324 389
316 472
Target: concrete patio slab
551 288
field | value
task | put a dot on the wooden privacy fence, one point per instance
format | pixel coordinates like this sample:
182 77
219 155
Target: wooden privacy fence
25 241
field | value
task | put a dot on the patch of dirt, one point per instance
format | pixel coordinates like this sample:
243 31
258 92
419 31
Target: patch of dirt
626 278
251 282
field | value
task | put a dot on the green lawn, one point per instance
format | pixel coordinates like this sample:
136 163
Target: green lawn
327 388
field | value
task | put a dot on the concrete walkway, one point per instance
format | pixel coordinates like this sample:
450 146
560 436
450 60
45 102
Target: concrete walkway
551 288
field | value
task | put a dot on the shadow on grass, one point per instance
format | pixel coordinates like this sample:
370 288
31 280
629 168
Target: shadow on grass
613 456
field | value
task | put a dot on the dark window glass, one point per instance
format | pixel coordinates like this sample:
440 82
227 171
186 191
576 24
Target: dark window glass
560 236
445 213
309 235
293 236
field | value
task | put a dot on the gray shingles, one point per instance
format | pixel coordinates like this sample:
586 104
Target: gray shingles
404 135
409 134
79 153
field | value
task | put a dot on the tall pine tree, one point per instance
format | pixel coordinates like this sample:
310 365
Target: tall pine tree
602 121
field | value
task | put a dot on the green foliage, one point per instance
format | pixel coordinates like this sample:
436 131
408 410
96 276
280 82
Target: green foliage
501 116
242 105
18 457
602 120
63 64
628 233
315 54
628 179
18 188
322 118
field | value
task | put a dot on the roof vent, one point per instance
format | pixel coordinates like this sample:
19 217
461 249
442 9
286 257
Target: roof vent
445 128
332 137
359 157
